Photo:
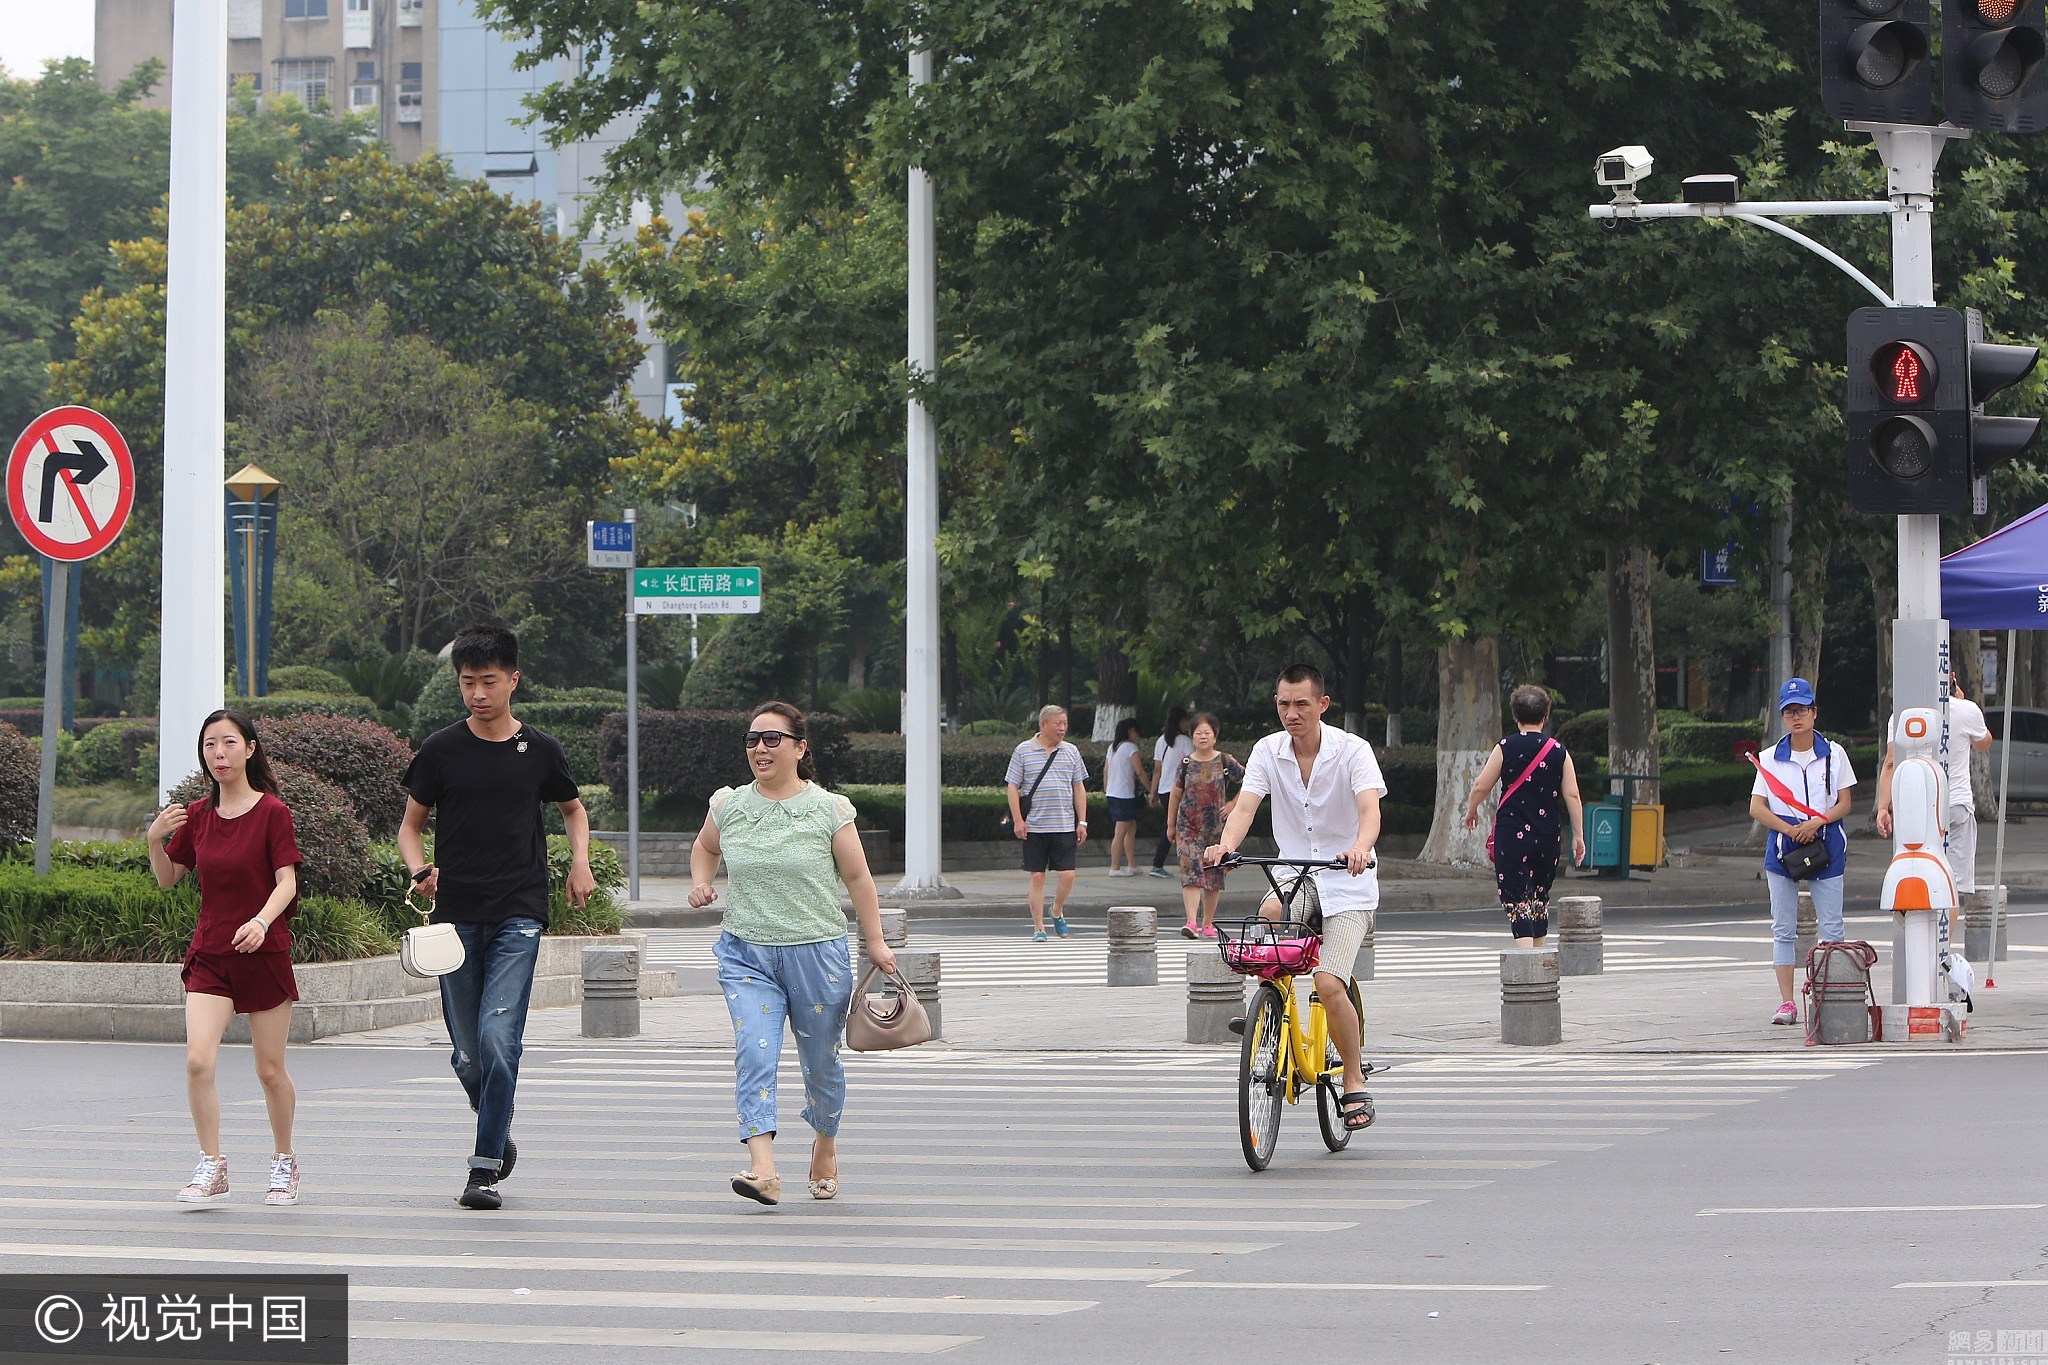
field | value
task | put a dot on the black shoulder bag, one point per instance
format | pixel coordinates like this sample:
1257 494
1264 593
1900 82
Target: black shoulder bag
1024 797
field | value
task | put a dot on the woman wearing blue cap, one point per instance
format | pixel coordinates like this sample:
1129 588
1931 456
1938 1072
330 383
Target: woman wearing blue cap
1801 795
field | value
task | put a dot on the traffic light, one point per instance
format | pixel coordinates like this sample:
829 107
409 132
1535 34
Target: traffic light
1909 411
1994 440
1992 76
1873 59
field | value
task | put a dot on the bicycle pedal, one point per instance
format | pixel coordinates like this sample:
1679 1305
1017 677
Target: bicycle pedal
1236 1025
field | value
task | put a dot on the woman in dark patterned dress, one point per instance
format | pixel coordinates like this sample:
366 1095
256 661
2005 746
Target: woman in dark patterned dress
1528 827
1195 810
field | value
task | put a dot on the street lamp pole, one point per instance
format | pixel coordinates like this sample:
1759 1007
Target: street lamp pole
921 873
192 642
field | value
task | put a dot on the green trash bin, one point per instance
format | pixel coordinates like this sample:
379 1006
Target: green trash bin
1604 823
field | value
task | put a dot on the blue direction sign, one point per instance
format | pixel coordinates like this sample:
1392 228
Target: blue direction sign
1717 567
609 544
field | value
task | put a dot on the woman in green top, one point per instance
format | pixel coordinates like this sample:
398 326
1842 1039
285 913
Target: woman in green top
787 844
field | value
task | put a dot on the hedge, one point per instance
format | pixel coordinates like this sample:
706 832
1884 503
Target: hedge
104 914
333 842
385 882
20 782
1712 740
309 678
361 757
976 814
692 754
575 724
303 704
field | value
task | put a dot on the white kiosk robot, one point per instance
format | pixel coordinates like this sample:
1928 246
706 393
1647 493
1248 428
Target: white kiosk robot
1919 887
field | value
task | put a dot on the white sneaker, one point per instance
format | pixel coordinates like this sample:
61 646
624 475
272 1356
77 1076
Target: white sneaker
209 1181
284 1180
1123 872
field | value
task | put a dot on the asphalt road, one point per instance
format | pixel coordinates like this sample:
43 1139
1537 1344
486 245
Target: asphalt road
1826 1207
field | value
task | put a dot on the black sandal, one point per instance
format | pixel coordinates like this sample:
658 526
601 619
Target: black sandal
1356 1110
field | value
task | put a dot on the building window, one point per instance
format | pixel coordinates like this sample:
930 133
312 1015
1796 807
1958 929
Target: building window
305 9
410 12
362 97
411 84
310 80
366 71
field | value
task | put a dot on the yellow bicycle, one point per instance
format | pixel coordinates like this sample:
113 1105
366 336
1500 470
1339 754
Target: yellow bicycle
1283 1053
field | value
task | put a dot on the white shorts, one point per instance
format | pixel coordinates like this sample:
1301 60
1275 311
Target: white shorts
1962 847
1343 935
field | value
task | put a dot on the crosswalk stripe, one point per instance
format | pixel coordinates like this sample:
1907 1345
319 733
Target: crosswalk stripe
679 1338
950 1306
662 1265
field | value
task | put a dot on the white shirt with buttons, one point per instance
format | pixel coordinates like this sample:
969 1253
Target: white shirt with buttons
1319 818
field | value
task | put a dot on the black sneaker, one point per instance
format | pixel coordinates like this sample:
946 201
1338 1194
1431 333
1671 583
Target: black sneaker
481 1192
509 1160
1236 1025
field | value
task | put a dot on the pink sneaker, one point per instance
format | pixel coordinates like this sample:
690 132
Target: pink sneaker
284 1180
209 1182
1207 931
1788 1013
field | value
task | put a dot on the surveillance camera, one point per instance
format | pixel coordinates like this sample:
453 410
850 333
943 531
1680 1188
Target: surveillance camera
1623 168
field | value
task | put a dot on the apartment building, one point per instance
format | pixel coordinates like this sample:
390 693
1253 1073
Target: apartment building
432 76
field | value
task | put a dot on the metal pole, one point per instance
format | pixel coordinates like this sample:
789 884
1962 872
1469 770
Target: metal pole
1781 615
921 876
693 637
632 727
2005 681
195 395
53 709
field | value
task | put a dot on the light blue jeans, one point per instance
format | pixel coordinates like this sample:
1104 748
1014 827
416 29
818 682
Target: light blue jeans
808 985
1827 911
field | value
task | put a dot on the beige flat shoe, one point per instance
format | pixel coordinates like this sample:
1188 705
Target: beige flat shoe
760 1189
825 1187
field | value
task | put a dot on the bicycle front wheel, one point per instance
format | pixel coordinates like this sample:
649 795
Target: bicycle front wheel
1259 1082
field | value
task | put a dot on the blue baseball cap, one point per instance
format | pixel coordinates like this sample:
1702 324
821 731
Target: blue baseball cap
1795 692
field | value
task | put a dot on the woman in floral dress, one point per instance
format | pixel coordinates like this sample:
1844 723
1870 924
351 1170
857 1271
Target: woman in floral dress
1540 788
1207 783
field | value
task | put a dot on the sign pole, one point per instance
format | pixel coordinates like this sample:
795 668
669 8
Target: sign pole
632 728
53 710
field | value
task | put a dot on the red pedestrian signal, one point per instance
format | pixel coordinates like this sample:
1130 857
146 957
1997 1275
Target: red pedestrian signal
1908 414
1904 372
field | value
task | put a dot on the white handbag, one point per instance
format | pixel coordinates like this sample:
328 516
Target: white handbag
429 950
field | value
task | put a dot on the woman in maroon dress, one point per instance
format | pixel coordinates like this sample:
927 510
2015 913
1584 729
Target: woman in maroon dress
240 841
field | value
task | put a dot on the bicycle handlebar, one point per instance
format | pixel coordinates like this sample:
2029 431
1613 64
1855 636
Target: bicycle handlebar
1231 860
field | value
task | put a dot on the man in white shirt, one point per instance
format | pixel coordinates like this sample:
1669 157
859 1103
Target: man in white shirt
1966 732
1326 788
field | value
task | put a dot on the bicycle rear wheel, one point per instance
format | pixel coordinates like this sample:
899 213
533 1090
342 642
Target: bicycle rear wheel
1258 1077
1330 1114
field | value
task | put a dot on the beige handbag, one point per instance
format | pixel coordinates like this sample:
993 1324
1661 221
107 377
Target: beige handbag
429 950
905 1024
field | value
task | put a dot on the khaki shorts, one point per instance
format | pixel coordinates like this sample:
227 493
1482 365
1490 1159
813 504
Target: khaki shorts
1343 935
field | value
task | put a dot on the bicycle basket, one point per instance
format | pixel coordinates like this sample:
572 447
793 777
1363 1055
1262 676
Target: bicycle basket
1268 948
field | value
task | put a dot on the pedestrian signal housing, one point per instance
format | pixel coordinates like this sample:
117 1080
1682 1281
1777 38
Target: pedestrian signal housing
1908 412
1873 59
1992 76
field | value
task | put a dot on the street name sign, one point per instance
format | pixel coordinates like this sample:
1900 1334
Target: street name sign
696 592
609 544
70 483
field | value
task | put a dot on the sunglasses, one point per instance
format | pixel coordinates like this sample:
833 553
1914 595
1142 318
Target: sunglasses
771 739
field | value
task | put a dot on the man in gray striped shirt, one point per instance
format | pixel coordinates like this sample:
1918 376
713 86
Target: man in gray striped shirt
1048 790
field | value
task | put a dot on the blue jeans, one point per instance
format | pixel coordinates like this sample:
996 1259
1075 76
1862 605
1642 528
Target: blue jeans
483 1003
1827 912
809 985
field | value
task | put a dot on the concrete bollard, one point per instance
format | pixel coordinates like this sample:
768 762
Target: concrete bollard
1581 926
611 992
1808 928
1133 945
895 927
1215 997
1530 1015
1362 967
920 967
1984 924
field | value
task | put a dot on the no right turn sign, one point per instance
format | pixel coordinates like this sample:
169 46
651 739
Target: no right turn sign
70 483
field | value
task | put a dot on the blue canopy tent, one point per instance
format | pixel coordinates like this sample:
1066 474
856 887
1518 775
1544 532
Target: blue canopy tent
2000 583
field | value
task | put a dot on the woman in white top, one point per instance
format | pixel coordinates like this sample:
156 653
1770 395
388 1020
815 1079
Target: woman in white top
1124 783
1173 746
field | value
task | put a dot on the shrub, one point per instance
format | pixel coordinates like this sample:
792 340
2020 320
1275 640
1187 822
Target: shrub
693 753
28 720
870 708
1710 739
964 760
67 758
108 753
439 704
574 717
605 810
361 757
1585 735
385 883
333 842
20 781
308 678
304 704
1011 729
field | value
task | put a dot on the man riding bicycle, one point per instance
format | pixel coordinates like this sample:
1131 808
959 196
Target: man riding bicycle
1326 788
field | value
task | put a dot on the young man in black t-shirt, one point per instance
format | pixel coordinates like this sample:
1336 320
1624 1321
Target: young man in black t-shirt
484 779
